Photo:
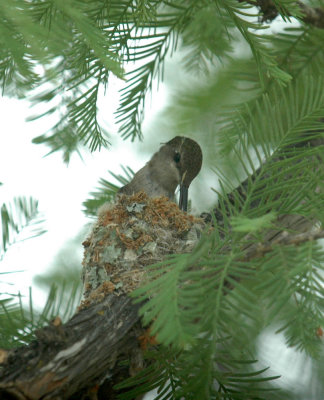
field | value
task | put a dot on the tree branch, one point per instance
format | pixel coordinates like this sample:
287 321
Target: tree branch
284 239
313 16
69 359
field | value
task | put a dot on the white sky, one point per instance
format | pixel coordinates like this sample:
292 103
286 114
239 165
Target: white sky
60 189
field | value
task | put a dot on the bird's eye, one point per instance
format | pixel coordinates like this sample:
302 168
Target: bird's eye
176 157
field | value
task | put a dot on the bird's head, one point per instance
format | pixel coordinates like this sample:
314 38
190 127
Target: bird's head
187 159
176 163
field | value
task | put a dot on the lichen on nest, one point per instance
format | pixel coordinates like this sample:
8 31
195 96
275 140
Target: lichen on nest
131 233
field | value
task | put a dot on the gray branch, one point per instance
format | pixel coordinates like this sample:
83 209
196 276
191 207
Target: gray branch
311 15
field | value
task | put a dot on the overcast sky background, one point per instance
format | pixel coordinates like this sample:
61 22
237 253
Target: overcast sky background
61 189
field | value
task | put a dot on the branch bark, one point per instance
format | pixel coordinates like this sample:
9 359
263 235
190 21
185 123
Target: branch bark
311 15
71 359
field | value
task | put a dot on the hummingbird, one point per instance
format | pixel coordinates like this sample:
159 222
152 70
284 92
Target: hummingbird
177 162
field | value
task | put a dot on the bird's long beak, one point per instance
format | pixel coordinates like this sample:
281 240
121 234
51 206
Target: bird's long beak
183 201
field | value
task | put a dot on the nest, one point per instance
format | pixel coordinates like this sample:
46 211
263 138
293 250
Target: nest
130 234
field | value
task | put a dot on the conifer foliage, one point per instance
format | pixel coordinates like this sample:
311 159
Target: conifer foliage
259 106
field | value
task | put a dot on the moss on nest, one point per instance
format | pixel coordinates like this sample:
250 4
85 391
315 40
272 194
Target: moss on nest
131 233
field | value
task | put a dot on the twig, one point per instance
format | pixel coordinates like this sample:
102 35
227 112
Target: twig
284 239
311 15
